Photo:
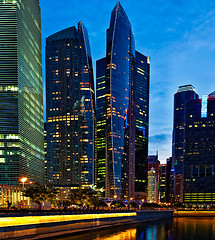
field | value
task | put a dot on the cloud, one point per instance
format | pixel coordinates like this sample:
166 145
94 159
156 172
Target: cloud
159 138
163 143
178 36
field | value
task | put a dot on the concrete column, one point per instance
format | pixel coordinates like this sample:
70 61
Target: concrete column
6 194
9 194
20 194
14 196
2 195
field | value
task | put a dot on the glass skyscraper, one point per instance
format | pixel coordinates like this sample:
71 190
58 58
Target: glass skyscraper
184 93
116 100
199 151
141 121
21 93
101 122
70 110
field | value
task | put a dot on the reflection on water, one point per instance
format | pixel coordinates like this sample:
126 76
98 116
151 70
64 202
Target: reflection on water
194 228
177 229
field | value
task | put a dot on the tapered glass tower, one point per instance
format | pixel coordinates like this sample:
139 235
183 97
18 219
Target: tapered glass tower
119 80
70 108
122 85
21 94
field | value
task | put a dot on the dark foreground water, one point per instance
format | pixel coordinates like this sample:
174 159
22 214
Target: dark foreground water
177 229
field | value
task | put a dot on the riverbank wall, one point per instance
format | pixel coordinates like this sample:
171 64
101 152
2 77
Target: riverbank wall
50 226
194 214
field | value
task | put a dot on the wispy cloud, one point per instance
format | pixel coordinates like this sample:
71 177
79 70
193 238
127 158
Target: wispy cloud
179 37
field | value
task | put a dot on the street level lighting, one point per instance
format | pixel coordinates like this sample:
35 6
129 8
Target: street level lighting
23 180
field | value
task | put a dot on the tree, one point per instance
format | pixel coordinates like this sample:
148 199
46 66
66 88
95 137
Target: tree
39 193
84 197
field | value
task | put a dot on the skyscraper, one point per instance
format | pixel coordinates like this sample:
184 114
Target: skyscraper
185 93
152 186
70 110
117 76
170 178
199 155
21 92
154 163
101 122
162 185
141 121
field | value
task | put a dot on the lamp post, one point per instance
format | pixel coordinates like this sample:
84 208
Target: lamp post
23 180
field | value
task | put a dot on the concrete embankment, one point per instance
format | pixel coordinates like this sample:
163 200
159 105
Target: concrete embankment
37 227
194 214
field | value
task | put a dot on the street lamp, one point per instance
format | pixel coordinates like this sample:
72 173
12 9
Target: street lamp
23 180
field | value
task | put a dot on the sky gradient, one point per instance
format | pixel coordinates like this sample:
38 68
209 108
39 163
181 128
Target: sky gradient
178 36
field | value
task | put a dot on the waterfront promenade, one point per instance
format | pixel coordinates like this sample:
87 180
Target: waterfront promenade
49 226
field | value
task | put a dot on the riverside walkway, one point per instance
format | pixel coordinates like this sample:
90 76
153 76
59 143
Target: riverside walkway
49 226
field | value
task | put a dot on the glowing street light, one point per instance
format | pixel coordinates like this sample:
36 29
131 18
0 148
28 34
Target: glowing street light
23 180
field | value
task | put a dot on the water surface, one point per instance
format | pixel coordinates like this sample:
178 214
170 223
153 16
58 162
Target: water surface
177 229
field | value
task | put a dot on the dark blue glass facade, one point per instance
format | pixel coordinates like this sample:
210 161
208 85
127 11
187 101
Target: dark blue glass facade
120 51
119 75
70 111
199 155
185 93
101 122
141 121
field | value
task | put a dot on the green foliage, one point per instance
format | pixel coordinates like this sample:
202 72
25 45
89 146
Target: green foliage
39 193
85 197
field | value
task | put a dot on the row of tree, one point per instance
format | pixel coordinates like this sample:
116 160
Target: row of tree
79 196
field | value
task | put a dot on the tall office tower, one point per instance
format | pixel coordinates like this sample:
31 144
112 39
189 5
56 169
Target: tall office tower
162 185
185 93
70 108
142 121
199 156
119 74
154 163
21 92
101 122
170 179
152 186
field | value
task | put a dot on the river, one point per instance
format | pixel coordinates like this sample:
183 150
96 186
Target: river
172 229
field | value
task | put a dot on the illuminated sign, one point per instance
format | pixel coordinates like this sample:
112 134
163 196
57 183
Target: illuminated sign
204 106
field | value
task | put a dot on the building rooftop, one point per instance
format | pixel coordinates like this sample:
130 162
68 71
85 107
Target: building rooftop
212 95
70 32
186 88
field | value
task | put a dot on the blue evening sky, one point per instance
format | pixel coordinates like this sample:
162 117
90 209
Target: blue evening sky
178 35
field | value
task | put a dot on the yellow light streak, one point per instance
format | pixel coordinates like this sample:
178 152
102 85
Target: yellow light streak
17 221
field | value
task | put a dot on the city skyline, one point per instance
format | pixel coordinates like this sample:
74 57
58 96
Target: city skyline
180 44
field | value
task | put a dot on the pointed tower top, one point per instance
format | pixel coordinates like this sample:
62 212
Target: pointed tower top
118 5
119 11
